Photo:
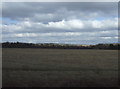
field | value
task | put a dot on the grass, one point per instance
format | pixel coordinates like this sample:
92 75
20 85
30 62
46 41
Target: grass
25 67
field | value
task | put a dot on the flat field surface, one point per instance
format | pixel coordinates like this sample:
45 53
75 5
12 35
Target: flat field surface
32 67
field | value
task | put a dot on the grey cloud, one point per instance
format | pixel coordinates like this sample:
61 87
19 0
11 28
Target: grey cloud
20 11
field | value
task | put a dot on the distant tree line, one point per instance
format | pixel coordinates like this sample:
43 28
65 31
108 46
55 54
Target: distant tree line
58 46
106 46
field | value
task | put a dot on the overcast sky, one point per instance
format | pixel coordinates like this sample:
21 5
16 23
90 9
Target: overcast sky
57 22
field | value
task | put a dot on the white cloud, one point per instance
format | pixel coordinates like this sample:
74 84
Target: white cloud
60 24
106 37
72 24
97 24
25 35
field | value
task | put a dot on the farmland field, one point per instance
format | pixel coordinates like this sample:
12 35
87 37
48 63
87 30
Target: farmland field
32 67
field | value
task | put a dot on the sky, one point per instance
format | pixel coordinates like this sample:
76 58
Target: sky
60 22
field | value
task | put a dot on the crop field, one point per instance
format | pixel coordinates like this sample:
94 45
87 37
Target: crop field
35 67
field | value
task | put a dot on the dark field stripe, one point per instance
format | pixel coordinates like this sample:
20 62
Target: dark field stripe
18 69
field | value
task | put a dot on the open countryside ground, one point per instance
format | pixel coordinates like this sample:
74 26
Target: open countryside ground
30 67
